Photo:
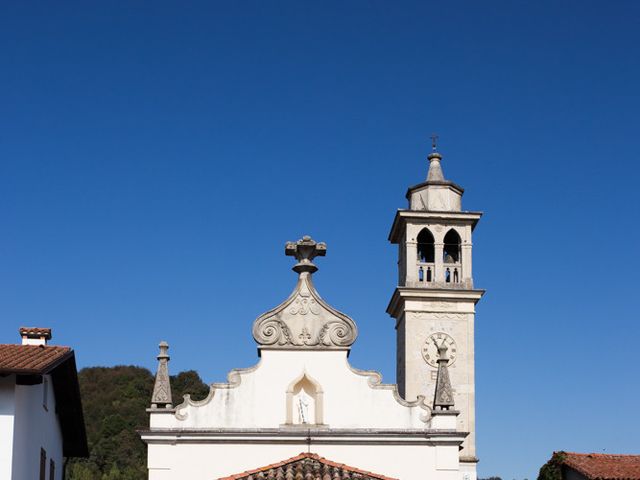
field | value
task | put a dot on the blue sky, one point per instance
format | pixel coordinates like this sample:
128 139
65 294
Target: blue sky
154 158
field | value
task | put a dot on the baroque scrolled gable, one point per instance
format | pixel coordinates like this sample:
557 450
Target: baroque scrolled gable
304 320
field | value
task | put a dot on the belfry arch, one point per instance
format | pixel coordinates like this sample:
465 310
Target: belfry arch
426 246
451 255
451 251
426 255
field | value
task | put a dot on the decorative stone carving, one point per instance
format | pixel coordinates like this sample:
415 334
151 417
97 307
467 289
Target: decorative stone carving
161 397
304 320
443 398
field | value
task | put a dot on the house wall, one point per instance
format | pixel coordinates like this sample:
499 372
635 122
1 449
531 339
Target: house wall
7 415
36 427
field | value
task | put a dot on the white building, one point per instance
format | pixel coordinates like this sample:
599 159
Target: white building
303 396
41 421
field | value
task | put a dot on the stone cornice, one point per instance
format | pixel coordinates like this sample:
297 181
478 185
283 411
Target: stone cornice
436 183
402 294
310 435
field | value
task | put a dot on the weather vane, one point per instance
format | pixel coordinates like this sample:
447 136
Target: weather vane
434 141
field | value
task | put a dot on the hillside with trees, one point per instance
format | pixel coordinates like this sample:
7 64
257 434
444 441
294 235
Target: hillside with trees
114 400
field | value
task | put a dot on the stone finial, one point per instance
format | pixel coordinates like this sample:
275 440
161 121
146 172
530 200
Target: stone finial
435 169
304 320
161 397
305 250
443 398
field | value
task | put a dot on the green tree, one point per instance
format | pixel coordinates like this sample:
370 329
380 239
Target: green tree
552 470
114 401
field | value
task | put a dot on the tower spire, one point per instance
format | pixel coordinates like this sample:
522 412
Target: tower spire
161 397
435 169
443 398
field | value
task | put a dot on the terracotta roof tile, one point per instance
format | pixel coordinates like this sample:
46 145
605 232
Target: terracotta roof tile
309 466
600 466
35 332
31 359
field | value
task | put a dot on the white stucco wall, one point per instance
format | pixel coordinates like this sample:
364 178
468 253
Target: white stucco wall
206 461
7 415
244 424
256 398
35 427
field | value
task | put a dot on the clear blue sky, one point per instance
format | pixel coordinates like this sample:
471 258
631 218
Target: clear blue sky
156 156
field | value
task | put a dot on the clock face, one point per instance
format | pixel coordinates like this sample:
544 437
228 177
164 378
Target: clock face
430 351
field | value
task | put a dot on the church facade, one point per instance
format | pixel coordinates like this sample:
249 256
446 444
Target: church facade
304 412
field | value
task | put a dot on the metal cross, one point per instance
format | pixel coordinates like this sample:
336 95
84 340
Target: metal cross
434 141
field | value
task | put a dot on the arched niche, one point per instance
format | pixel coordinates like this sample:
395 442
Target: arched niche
304 401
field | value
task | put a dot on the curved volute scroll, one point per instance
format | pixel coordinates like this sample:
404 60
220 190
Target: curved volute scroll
304 320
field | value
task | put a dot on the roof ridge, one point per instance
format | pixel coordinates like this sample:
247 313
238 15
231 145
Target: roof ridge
594 454
32 346
302 456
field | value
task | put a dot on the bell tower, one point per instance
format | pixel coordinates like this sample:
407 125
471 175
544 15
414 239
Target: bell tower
434 302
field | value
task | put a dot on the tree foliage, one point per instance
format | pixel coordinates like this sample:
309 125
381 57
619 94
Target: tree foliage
552 470
114 401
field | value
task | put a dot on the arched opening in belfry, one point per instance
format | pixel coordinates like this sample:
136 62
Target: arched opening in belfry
304 402
451 251
426 247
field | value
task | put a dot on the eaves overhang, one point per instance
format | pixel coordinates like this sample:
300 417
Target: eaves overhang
445 183
69 409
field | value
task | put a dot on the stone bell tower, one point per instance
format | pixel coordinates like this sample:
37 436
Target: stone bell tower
434 303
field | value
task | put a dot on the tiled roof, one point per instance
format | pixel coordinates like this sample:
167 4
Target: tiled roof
307 466
31 359
600 466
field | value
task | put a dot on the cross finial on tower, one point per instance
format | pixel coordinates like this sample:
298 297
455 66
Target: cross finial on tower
434 142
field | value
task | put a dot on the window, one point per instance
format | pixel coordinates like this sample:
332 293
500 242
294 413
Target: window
43 464
52 470
426 251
